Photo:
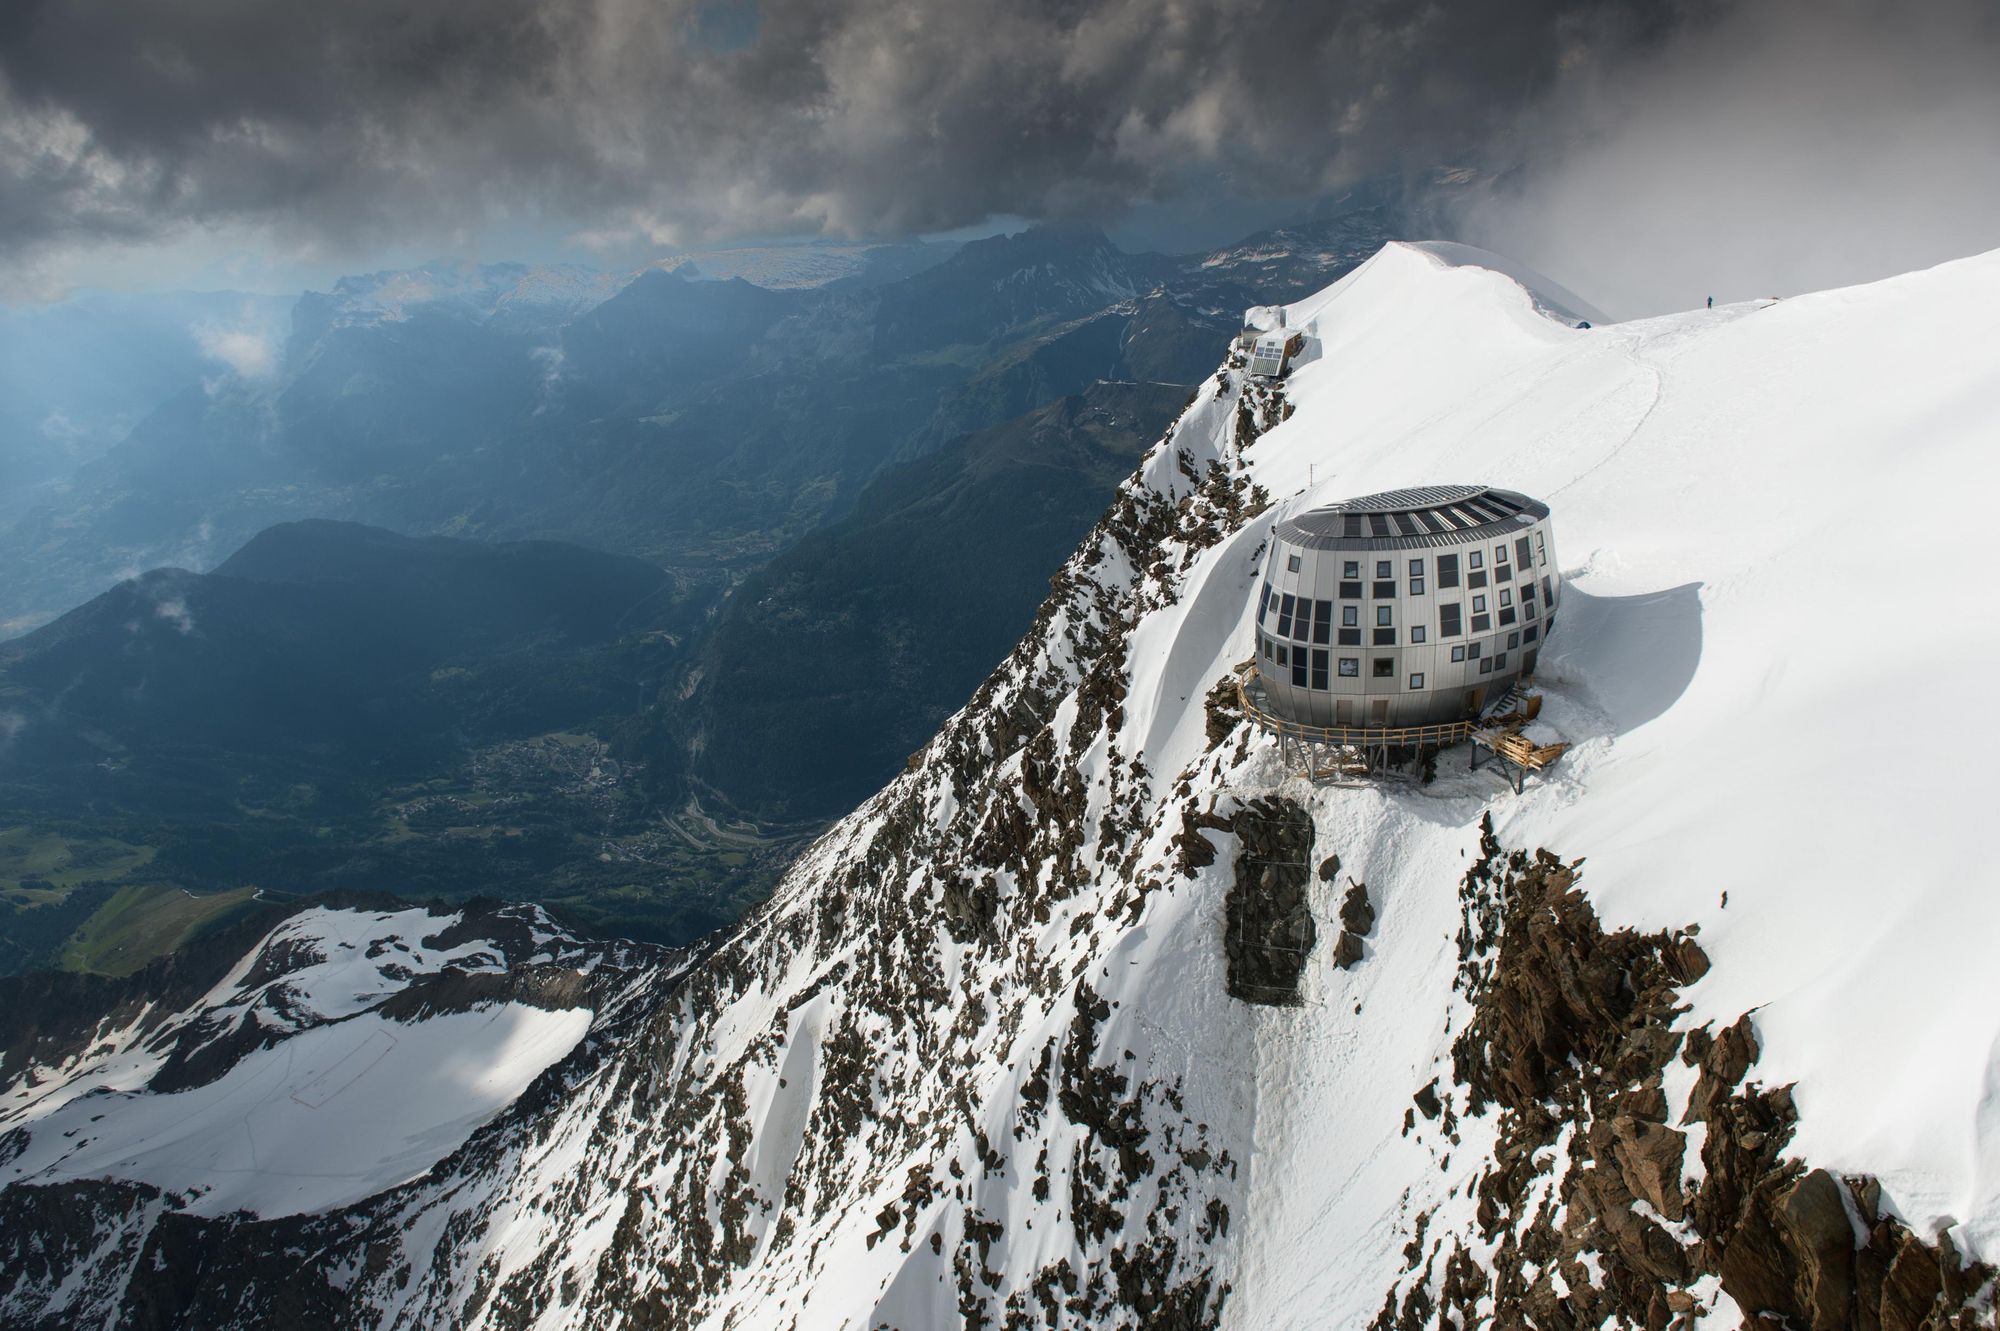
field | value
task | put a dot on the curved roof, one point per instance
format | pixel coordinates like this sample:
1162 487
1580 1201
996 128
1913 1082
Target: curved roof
1425 516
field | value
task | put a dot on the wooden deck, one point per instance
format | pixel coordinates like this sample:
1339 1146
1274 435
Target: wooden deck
1333 752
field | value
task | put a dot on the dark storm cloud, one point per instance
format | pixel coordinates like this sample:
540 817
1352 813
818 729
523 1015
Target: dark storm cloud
339 124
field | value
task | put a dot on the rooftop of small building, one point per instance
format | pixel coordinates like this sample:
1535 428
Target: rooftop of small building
1422 516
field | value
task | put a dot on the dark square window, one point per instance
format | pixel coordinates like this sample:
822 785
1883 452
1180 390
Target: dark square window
1350 591
1291 563
1416 568
1382 569
1527 607
1447 570
1299 669
1500 661
1350 615
1385 614
1385 667
1507 615
1350 568
1486 665
1476 578
1458 652
1417 680
1478 604
1448 620
1534 632
1473 559
1350 667
1319 668
1416 633
1521 553
1350 637
1385 591
1416 586
1513 640
1548 593
1481 623
1472 649
1385 637
1322 621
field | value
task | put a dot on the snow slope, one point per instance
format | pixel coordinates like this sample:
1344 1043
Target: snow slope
329 1102
976 1058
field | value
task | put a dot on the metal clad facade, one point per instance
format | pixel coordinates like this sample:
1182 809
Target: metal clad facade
1405 608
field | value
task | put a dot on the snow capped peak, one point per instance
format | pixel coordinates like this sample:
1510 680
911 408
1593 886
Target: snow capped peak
987 1054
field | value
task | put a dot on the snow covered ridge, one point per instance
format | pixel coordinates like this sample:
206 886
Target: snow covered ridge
977 1062
346 1053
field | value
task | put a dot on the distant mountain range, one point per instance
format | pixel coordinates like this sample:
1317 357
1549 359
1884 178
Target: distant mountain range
834 507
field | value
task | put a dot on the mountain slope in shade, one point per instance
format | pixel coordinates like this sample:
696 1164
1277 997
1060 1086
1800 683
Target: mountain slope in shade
980 1060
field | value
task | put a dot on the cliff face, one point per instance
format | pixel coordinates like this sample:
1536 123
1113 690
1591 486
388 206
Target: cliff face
1098 1016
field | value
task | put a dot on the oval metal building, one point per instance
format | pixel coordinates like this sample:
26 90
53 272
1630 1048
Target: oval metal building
1406 608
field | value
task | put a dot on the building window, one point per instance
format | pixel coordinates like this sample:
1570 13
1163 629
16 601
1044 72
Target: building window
1481 623
1506 596
1385 614
1417 680
1382 569
1350 615
1416 633
1534 632
1385 667
1302 621
1350 568
1291 563
1448 620
1458 652
1350 591
1472 650
1416 586
1285 617
1507 616
1416 568
1521 553
1350 667
1486 665
1477 578
1548 594
1319 668
1541 551
1299 668
1473 559
1500 553
1385 591
1284 655
1500 661
1528 606
1513 640
1385 637
1264 645
1322 621
1447 570
1478 604
1350 637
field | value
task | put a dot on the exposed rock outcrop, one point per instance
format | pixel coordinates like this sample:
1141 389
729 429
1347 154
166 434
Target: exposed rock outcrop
1592 1211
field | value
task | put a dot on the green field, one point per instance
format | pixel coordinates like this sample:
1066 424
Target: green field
141 923
32 857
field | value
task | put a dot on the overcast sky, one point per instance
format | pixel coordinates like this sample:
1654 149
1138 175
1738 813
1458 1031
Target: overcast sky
1640 144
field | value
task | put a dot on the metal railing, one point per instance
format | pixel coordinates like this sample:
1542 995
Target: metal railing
1352 737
